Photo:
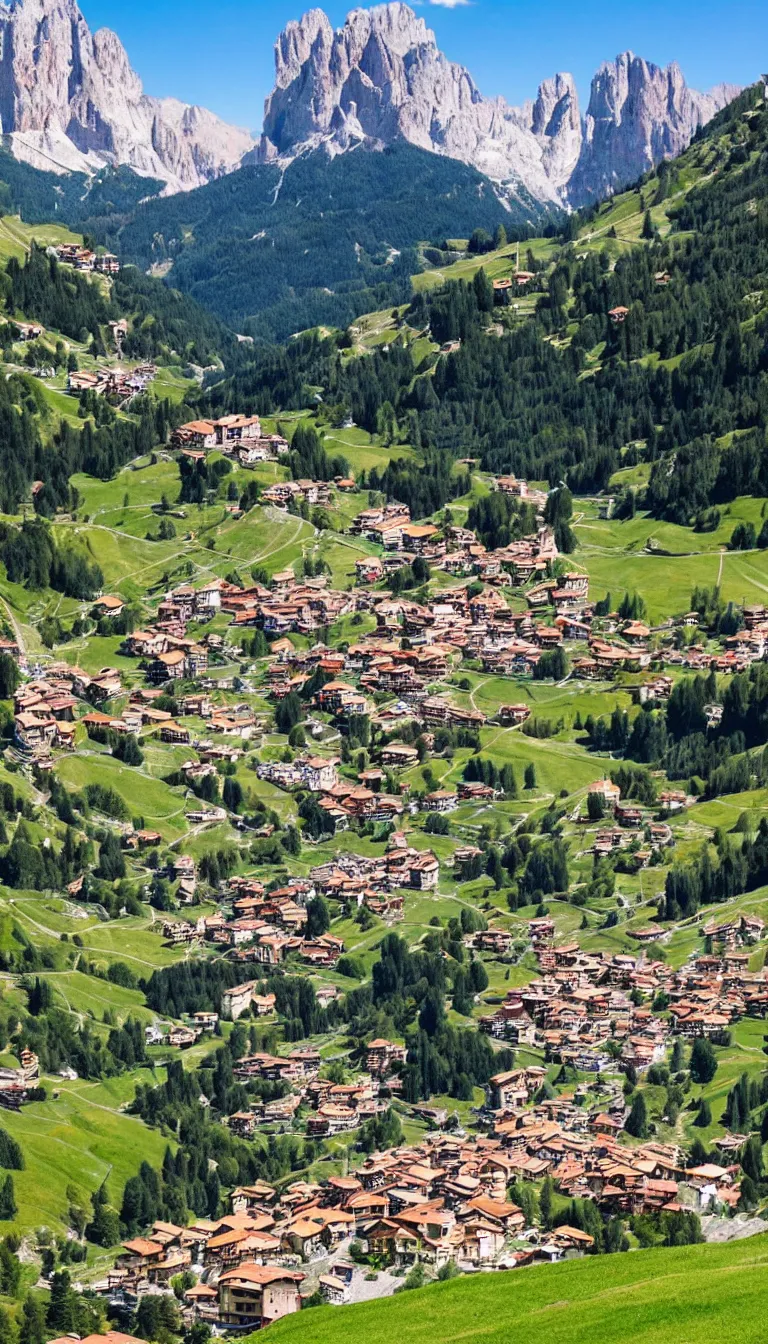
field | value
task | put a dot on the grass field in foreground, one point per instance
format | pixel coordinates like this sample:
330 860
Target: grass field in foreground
691 1295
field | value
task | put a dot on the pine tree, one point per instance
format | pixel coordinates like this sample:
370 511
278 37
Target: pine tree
546 1201
11 1155
749 1196
8 1207
704 1115
483 291
752 1159
637 1120
62 1314
703 1061
677 1062
33 1329
8 1334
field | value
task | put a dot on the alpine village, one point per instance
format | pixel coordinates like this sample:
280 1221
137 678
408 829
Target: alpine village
383 773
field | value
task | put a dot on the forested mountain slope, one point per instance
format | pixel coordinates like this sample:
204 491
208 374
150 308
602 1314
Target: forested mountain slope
273 252
76 314
646 344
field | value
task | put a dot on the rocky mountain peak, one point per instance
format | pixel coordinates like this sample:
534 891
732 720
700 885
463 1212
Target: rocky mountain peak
638 114
381 78
69 100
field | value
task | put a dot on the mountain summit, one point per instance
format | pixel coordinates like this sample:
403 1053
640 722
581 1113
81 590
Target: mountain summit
69 101
381 78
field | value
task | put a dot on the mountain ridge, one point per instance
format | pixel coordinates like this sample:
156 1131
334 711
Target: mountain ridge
71 102
381 77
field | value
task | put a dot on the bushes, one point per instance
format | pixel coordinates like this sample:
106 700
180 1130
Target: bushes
437 824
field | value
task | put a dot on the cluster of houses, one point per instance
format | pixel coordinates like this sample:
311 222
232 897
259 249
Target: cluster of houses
578 1146
442 1199
266 927
375 882
118 385
456 550
283 493
44 708
240 436
634 828
83 259
559 608
581 1010
288 605
262 928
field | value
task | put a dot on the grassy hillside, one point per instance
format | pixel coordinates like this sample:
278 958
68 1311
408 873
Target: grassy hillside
694 1295
76 1141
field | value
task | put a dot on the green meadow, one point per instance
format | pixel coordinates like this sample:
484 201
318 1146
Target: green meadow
73 1143
693 1295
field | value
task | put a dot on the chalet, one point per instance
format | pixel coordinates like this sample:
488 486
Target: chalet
414 537
442 800
109 605
607 790
318 774
497 941
475 791
74 254
253 1296
335 1291
140 1254
176 733
181 1037
510 485
167 666
627 814
514 715
34 732
424 872
399 757
369 570
383 1056
195 434
236 1001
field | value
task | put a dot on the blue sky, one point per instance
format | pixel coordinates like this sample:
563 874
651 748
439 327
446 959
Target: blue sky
220 54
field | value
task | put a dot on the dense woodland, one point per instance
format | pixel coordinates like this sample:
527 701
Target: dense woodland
163 320
682 380
39 197
241 247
